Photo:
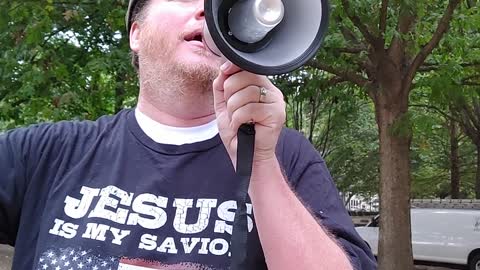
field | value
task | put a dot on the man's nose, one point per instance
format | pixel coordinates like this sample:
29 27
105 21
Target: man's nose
200 11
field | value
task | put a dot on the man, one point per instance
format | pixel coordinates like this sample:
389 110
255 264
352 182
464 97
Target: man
154 187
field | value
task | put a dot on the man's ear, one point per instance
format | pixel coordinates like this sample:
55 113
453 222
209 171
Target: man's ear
135 37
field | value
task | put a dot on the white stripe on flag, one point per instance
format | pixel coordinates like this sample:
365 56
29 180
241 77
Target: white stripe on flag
126 266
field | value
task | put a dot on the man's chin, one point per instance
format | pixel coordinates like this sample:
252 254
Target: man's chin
203 52
203 58
198 70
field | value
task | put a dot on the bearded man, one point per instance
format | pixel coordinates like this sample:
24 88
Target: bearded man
155 187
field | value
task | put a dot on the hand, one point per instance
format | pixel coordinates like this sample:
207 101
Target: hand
238 100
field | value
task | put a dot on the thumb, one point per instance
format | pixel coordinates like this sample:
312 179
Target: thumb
218 93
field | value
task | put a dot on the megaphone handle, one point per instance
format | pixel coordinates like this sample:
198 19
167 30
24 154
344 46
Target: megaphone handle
245 150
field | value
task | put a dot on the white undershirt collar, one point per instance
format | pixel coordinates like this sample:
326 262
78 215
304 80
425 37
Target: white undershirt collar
174 135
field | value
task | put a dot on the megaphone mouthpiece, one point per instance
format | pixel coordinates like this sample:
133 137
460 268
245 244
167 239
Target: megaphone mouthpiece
251 20
269 12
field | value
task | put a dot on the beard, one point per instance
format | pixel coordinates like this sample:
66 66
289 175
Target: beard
158 69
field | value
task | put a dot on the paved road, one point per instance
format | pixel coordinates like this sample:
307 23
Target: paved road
421 267
5 257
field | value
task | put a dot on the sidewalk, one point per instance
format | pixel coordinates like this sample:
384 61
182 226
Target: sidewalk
5 257
422 267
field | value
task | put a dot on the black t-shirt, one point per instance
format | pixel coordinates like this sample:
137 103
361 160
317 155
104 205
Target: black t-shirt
102 195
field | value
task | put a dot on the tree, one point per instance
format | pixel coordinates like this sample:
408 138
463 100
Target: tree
63 60
439 157
468 114
454 160
338 119
454 79
381 47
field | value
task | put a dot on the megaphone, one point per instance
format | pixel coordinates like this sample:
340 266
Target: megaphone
266 37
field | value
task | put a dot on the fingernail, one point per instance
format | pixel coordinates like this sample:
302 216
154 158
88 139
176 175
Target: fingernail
225 66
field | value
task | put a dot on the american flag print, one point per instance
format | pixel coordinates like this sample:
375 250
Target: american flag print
75 259
78 259
128 264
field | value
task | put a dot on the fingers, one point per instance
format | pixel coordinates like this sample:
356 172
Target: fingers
250 94
231 80
243 80
228 68
235 88
260 113
218 94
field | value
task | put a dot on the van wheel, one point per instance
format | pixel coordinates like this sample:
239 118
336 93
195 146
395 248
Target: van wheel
474 263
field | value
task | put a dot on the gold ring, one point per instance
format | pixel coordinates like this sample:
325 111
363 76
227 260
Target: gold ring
263 94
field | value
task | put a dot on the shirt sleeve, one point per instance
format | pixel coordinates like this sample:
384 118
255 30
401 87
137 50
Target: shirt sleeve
13 175
24 152
30 160
311 180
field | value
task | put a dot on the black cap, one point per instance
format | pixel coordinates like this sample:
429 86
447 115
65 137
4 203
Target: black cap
132 9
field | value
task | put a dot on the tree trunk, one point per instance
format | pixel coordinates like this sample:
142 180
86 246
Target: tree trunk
296 115
477 182
119 92
395 248
454 162
313 117
347 201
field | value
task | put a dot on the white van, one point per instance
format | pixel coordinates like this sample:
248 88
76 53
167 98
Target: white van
439 236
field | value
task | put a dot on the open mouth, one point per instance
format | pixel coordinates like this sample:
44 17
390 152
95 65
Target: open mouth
195 37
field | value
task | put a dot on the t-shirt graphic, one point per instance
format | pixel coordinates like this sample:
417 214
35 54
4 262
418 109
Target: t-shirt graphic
70 259
160 225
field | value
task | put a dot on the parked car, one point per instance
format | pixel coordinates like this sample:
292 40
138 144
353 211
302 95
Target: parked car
439 236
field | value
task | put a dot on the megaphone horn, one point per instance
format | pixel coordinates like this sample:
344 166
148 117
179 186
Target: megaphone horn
267 37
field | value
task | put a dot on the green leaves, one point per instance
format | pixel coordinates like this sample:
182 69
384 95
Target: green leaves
69 59
60 60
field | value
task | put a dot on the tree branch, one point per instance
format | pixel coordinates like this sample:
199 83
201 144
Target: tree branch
476 109
437 110
397 48
469 118
469 83
442 27
358 23
16 6
382 24
476 76
326 136
343 74
468 125
347 33
334 81
350 50
435 66
473 80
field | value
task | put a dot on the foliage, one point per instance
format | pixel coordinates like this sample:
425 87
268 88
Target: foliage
70 60
339 121
63 60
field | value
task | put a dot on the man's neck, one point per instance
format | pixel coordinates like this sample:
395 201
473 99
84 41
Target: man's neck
176 113
176 96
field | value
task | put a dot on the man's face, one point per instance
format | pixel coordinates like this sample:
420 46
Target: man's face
171 36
